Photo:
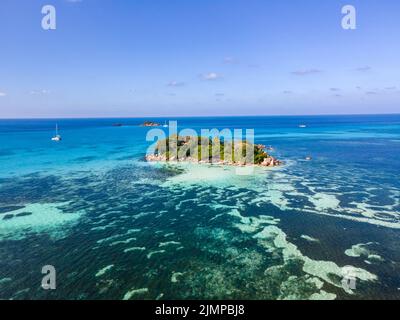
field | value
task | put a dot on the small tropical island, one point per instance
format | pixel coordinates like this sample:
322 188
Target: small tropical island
150 124
211 150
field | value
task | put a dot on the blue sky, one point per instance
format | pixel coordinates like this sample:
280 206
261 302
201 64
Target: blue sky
208 57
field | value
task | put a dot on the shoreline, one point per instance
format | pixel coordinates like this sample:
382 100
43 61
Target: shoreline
271 163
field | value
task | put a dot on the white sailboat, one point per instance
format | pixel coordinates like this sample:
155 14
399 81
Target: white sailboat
165 124
57 137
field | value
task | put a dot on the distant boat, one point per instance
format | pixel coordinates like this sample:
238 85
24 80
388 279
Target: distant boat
165 125
302 126
57 137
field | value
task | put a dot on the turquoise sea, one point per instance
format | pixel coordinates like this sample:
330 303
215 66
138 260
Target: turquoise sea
116 227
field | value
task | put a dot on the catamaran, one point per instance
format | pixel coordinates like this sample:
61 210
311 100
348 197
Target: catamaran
57 137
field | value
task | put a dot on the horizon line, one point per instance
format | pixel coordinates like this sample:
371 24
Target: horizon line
203 116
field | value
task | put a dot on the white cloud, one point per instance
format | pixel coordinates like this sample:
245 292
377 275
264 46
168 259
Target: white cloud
211 76
3 94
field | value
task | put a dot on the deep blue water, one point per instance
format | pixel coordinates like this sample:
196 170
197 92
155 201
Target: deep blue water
114 226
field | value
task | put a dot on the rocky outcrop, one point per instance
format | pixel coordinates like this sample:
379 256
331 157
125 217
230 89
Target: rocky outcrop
270 162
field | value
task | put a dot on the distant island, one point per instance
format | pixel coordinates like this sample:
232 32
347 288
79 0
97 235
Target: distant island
144 124
150 124
191 149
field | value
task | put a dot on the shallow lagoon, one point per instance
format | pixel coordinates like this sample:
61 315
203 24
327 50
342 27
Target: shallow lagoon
115 227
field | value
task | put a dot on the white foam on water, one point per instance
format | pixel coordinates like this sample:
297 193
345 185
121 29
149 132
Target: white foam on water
273 238
127 241
134 293
251 224
272 196
169 234
119 236
377 222
291 290
362 250
5 280
189 201
323 295
45 218
366 210
151 254
308 238
134 249
103 271
169 243
328 204
323 201
277 187
175 276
